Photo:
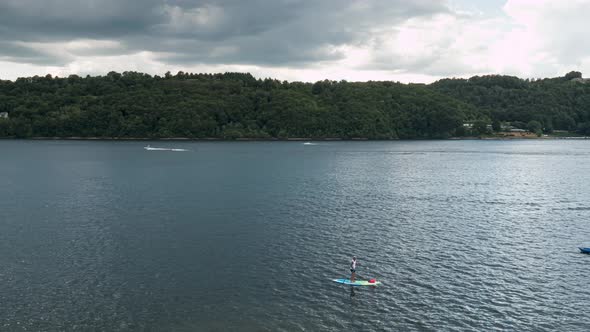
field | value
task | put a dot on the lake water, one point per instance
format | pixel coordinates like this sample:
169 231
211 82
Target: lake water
464 235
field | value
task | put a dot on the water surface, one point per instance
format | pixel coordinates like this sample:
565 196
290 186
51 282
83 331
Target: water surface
464 235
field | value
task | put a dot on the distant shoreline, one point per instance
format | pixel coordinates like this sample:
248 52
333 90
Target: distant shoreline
213 139
293 139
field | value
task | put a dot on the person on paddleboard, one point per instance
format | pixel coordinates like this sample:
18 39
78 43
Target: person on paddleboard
353 269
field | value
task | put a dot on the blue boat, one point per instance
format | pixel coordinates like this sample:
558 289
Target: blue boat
585 250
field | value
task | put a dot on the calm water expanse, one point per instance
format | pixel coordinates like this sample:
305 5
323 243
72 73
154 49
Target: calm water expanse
464 235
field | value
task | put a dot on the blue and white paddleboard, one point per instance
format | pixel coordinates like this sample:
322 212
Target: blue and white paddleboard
357 282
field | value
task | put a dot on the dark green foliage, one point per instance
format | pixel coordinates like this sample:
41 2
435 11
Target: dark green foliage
584 128
461 131
480 127
534 127
496 125
557 104
518 124
237 105
573 74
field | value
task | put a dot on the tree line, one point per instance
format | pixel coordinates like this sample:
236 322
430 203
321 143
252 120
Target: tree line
237 105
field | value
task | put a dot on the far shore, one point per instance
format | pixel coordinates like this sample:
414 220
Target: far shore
296 139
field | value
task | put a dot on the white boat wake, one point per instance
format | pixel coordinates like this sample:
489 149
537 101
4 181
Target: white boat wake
149 148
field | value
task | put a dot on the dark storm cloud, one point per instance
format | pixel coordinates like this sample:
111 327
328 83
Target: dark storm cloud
263 32
48 20
14 52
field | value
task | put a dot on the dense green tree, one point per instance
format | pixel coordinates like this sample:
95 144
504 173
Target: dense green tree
584 128
496 125
4 128
480 127
556 103
237 105
460 131
534 126
573 74
519 124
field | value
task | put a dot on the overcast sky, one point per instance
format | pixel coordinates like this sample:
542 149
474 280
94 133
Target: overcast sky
296 40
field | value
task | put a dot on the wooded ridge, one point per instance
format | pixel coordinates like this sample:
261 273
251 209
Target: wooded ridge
239 106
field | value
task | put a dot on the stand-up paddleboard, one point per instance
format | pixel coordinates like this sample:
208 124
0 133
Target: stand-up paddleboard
357 282
585 250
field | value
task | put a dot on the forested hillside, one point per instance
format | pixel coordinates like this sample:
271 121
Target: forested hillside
561 103
236 105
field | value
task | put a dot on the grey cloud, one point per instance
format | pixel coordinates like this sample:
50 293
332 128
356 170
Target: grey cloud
51 20
294 32
276 54
18 53
263 32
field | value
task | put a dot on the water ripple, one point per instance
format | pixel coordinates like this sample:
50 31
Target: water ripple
465 236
